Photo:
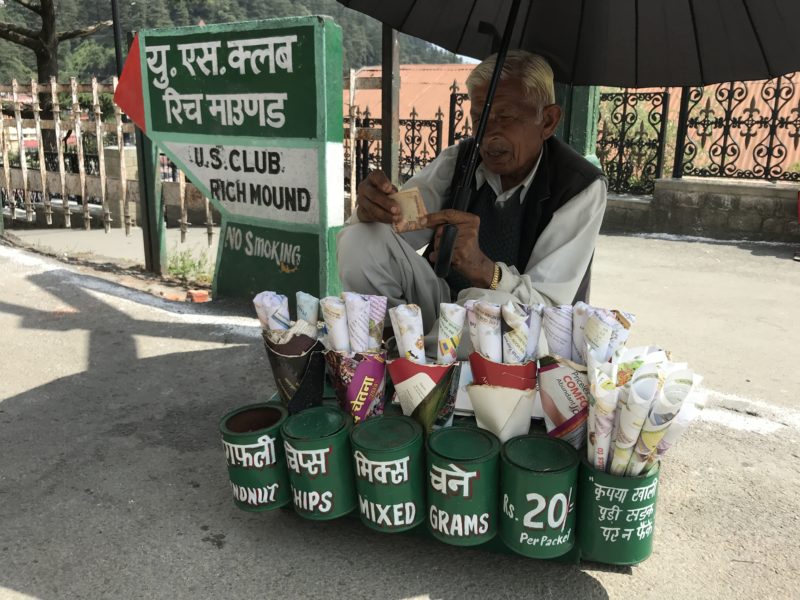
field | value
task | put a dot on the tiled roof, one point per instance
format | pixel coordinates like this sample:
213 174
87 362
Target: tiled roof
424 88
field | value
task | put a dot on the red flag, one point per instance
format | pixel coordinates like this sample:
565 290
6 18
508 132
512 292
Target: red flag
129 90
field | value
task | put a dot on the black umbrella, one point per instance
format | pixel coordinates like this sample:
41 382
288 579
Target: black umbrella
627 43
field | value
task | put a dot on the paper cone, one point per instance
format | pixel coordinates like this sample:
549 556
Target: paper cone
518 377
506 412
425 392
359 381
564 392
296 370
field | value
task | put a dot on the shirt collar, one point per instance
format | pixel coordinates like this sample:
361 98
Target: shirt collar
484 175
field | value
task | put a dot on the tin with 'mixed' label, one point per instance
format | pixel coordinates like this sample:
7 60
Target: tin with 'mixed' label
319 462
254 454
462 485
538 487
390 472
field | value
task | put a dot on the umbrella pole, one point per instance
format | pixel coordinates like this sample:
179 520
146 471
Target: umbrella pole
463 190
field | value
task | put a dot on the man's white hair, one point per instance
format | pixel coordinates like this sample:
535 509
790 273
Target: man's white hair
532 70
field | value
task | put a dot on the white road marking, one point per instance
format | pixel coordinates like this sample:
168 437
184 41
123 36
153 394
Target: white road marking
746 414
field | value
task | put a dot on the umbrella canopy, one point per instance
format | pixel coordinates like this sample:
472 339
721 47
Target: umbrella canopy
626 43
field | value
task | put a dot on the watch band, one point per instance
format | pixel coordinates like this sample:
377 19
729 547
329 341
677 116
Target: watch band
496 277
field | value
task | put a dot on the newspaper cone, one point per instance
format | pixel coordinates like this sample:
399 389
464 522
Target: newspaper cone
597 333
357 310
645 386
621 333
506 412
451 325
535 331
564 391
307 308
377 316
272 310
359 382
580 315
335 315
472 325
557 325
515 326
490 341
408 332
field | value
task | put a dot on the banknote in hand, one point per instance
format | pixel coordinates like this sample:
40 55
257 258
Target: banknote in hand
412 208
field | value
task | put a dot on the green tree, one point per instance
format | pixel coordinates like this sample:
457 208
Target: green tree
36 28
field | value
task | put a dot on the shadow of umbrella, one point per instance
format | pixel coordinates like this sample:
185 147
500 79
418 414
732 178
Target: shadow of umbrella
113 481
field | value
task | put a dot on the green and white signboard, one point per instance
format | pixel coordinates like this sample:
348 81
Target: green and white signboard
252 113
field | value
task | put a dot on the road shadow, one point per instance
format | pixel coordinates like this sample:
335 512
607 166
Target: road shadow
114 481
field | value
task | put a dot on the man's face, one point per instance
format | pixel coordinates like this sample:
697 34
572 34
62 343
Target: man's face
514 136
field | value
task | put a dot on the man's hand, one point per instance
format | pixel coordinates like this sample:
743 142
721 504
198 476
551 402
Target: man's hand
467 256
374 204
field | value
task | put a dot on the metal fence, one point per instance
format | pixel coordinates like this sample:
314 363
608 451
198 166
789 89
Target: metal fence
44 175
420 143
630 139
737 130
744 131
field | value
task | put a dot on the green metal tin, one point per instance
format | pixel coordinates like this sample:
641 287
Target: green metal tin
319 462
538 489
254 452
616 516
462 485
390 472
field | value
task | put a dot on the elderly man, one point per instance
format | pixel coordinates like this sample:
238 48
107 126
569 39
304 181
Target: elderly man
534 214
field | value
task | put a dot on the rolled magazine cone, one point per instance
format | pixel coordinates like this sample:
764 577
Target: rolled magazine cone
359 382
451 326
666 407
409 332
506 412
603 402
564 392
645 386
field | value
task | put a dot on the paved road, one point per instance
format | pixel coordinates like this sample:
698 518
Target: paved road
113 484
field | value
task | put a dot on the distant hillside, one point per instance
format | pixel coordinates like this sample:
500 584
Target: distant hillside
95 56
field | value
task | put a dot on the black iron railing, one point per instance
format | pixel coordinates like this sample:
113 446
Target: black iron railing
744 131
630 139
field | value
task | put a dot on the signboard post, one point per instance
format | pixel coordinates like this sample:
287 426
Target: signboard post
252 113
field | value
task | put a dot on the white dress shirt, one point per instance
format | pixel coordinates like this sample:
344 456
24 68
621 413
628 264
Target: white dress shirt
562 252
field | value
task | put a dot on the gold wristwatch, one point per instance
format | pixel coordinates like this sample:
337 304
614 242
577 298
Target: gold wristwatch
496 277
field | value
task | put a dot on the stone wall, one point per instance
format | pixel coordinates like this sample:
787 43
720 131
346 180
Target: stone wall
721 209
